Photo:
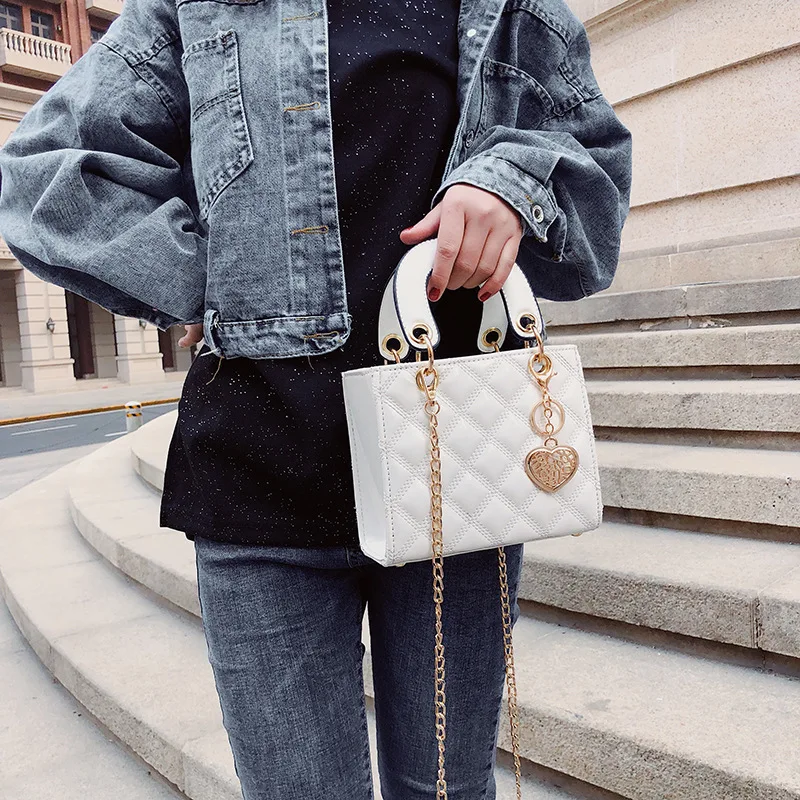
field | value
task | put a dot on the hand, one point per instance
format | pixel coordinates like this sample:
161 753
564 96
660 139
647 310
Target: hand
193 335
478 240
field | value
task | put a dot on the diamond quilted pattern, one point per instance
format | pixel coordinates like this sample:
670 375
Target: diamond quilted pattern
484 436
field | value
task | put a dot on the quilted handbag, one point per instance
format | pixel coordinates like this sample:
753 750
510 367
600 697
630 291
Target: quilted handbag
468 453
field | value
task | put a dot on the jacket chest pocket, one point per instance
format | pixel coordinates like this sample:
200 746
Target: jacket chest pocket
220 140
510 96
537 65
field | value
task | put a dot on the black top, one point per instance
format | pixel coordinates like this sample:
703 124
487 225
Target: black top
260 452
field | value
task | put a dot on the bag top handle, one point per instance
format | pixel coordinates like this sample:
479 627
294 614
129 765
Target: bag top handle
406 311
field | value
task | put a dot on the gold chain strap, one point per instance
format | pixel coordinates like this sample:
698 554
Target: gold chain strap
428 382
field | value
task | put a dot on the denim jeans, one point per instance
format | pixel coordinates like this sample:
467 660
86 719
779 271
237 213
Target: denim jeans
283 627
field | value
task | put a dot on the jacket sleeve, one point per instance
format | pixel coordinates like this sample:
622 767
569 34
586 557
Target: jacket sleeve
93 181
568 175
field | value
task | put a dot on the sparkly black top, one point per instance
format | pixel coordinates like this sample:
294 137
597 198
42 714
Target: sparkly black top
260 453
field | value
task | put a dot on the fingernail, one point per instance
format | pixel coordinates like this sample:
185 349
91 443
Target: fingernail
433 294
484 296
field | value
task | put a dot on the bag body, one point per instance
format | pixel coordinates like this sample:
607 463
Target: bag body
488 405
485 434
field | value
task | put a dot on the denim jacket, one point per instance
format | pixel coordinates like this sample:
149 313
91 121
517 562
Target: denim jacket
182 169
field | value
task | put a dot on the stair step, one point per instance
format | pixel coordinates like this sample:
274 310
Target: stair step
139 666
755 345
726 589
760 486
651 724
738 591
688 301
756 404
599 709
51 747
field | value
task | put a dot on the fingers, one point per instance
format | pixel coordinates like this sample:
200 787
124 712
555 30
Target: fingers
193 335
488 260
469 256
505 261
478 235
448 246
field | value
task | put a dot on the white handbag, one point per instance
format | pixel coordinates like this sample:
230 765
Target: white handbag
468 453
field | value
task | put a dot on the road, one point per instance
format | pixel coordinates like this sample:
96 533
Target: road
29 450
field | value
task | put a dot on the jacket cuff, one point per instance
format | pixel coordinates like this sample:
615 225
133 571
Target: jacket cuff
533 201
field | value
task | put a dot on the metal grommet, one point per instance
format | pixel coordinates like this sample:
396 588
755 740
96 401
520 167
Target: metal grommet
417 326
395 351
469 138
491 342
471 32
538 214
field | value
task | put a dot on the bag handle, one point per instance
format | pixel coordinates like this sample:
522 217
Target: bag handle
406 311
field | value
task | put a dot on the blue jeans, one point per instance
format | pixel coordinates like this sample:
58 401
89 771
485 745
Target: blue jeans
283 627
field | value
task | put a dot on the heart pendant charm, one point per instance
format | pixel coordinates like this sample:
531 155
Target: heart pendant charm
551 467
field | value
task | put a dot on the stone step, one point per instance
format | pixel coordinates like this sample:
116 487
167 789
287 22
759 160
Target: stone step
756 404
136 663
759 486
652 724
751 346
51 747
601 708
726 589
593 707
692 303
722 588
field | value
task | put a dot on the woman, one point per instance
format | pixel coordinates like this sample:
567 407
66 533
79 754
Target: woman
258 474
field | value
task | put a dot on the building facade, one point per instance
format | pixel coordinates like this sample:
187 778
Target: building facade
51 338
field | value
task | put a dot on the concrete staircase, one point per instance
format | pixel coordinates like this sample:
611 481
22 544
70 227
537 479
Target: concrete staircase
658 657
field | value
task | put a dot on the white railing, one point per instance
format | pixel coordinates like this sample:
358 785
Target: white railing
34 46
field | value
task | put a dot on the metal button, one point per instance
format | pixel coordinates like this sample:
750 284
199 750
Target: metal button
538 214
469 138
471 32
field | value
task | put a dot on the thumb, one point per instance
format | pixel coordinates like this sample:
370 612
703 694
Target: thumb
424 229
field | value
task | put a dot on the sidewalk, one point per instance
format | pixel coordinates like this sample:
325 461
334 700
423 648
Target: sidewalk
88 395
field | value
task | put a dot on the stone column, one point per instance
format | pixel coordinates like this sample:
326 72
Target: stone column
10 348
46 364
138 356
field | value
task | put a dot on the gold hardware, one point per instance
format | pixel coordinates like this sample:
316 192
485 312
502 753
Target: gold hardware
531 328
395 351
511 679
432 409
493 343
550 466
417 326
428 382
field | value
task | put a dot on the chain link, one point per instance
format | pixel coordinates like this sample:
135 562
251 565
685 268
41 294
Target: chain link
511 678
428 381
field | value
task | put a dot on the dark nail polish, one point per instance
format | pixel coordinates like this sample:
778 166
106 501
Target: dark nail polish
484 296
433 294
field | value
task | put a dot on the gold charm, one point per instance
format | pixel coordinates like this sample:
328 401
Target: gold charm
551 467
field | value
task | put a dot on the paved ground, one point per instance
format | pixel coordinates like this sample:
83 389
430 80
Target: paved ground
50 750
30 450
88 394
